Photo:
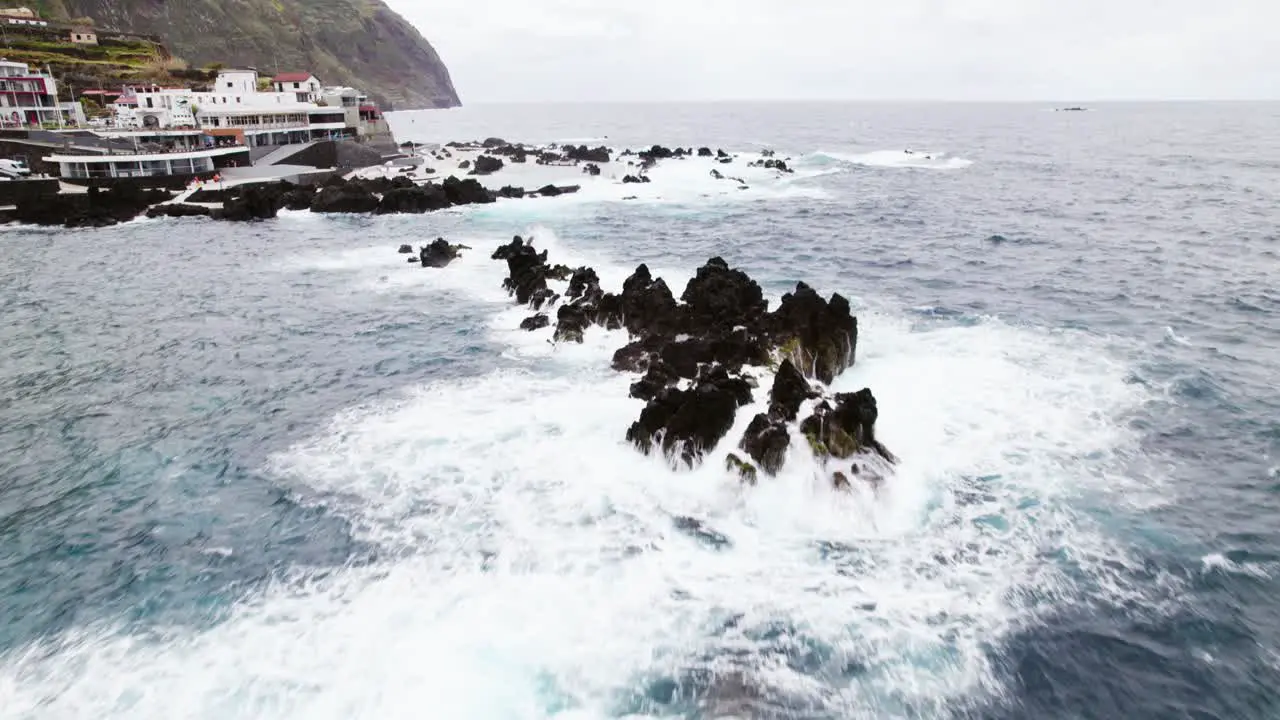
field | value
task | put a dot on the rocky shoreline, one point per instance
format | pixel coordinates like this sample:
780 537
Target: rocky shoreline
408 190
694 359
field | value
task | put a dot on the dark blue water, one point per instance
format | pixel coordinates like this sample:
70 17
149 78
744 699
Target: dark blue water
267 471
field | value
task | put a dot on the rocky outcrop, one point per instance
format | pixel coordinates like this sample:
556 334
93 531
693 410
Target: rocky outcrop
413 200
255 202
527 269
556 190
466 192
299 198
439 253
178 210
688 423
346 198
772 164
535 322
96 208
845 428
819 336
487 165
695 356
582 153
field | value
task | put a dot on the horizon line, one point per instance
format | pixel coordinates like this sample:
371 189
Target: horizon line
935 101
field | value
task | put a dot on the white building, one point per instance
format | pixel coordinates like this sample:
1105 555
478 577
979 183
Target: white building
110 166
235 108
31 99
304 85
155 108
84 36
21 16
236 82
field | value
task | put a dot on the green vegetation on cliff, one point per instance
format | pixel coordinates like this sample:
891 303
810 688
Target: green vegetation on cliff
114 61
361 43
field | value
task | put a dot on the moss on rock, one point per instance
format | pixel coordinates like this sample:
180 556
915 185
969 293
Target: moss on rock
746 471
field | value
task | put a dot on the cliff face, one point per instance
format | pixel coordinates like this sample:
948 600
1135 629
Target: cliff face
361 43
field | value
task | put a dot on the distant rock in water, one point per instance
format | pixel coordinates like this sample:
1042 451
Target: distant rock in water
772 164
582 153
394 190
487 165
439 253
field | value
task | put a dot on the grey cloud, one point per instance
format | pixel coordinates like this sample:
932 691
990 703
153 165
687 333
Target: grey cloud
889 49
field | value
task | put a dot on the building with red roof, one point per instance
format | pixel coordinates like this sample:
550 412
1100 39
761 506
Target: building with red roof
302 84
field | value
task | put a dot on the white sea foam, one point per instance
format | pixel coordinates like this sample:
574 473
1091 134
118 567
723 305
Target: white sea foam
918 159
532 567
1217 562
687 181
1175 338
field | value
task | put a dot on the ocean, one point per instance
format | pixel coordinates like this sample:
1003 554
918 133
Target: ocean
272 471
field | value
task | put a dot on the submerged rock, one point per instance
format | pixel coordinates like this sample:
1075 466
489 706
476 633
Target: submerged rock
700 531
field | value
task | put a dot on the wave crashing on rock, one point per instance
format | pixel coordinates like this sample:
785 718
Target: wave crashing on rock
693 354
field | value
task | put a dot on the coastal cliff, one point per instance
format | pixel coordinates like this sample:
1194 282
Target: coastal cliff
361 43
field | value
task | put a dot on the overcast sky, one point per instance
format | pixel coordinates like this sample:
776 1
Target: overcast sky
606 50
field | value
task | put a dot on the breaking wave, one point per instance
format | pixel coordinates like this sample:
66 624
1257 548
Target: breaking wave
533 565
